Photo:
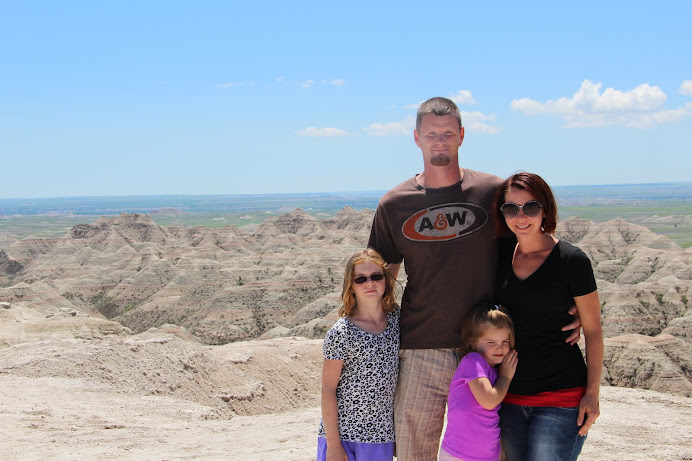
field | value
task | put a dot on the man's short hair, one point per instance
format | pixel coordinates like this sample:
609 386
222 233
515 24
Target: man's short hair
438 106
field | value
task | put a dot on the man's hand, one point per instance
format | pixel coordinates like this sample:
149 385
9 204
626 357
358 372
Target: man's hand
575 326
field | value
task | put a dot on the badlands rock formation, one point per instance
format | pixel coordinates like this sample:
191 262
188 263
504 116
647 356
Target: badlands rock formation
126 274
644 283
121 340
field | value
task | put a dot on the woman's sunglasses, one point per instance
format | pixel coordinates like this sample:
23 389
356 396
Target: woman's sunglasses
530 209
376 277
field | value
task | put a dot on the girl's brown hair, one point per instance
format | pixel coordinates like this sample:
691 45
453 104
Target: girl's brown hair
480 318
348 296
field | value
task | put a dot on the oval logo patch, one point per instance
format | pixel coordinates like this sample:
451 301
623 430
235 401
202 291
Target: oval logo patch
444 222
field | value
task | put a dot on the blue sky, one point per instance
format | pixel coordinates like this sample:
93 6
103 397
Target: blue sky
138 98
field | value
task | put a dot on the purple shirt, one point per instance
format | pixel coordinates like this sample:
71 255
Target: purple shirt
473 433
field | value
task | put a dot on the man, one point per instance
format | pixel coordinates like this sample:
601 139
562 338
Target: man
438 223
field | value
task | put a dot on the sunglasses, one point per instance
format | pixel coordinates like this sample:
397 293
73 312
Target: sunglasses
530 209
376 277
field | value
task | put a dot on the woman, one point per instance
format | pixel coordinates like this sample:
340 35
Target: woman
553 400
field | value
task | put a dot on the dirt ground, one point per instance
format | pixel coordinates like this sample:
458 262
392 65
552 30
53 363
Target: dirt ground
159 397
65 419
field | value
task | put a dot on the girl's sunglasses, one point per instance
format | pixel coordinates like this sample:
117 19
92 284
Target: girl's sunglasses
376 277
530 209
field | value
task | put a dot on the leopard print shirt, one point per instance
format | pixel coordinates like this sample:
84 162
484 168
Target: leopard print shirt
365 393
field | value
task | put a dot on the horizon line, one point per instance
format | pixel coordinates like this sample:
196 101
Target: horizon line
360 192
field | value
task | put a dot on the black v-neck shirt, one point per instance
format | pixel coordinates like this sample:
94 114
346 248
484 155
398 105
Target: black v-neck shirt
538 305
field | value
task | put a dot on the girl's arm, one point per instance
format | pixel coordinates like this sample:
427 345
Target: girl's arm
489 396
589 308
331 372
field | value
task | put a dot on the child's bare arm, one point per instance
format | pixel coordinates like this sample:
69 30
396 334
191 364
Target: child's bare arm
331 372
489 396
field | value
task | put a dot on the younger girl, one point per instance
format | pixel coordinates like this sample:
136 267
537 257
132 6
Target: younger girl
473 431
361 361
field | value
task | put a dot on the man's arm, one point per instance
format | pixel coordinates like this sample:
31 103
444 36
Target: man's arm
382 241
575 326
394 269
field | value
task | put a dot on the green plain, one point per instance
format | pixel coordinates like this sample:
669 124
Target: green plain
678 226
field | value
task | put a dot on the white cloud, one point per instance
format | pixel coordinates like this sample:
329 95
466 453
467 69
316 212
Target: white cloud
476 116
474 122
223 86
643 98
463 97
322 132
639 107
661 116
478 127
309 83
405 126
686 87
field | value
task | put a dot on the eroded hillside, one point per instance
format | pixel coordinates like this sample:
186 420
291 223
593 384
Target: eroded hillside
126 274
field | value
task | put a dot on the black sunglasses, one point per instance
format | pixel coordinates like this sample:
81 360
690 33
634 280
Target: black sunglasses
376 277
530 209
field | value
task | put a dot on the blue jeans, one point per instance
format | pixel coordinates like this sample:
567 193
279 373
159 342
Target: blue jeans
540 433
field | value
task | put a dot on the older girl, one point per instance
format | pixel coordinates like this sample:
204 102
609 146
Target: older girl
360 366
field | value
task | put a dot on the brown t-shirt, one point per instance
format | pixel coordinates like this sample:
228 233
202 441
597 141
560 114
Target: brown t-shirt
447 241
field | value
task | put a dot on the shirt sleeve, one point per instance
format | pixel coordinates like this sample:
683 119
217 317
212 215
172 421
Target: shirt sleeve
381 238
334 345
581 278
473 366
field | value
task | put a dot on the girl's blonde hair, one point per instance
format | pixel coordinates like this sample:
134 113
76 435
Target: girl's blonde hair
348 296
478 319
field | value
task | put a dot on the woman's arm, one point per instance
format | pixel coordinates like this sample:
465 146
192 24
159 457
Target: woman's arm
489 396
331 372
589 308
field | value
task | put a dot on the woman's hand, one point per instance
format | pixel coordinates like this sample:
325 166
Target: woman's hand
587 407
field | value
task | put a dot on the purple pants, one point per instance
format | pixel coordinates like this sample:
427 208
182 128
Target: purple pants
359 451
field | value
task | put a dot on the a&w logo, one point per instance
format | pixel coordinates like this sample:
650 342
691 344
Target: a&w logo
444 222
